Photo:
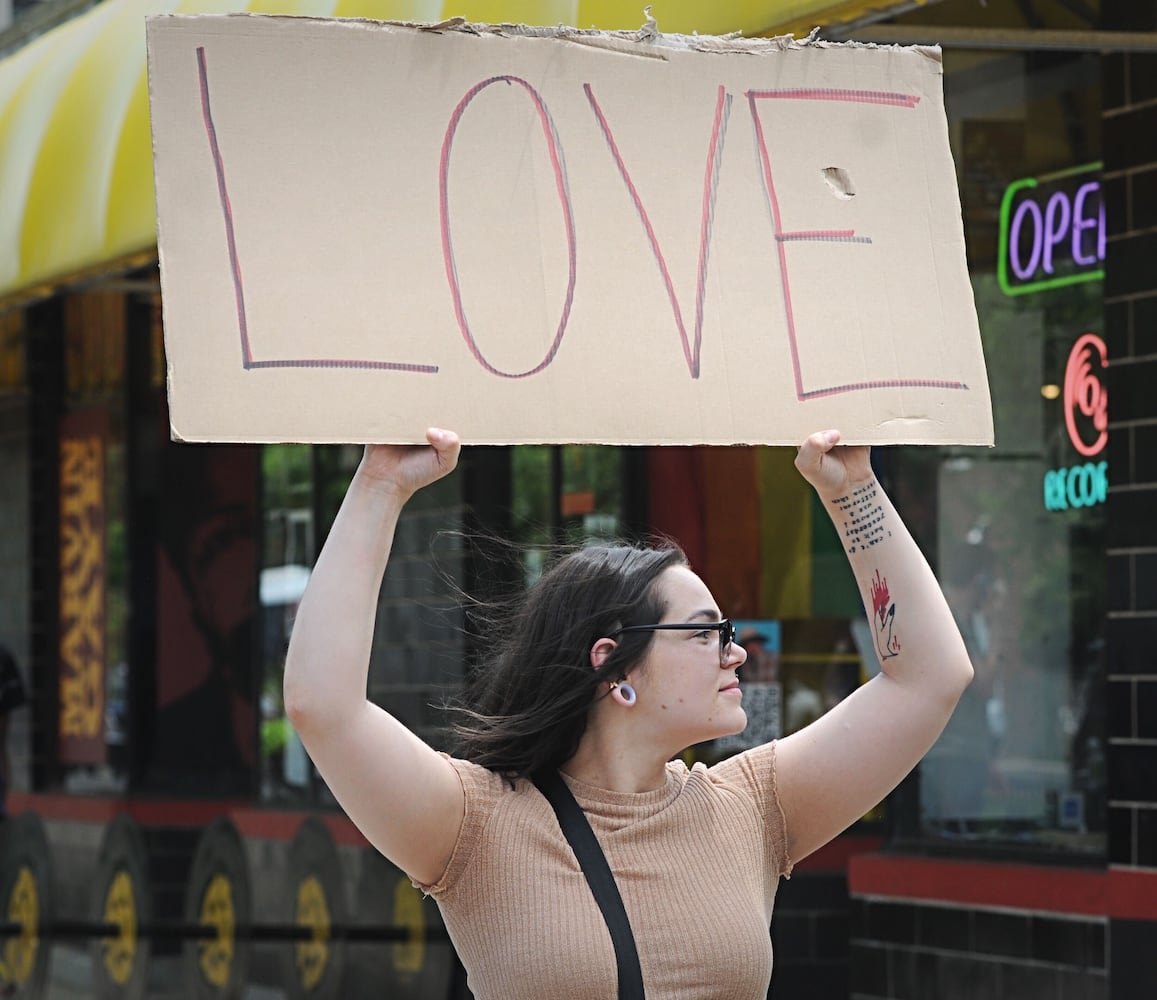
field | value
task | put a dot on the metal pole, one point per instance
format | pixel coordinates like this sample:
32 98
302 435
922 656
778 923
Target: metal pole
91 929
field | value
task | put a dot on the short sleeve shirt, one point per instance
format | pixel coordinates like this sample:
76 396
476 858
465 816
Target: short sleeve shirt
697 863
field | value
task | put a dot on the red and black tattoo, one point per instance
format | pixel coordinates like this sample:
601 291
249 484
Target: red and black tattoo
884 618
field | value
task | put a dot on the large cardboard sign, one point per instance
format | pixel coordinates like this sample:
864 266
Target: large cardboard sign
556 236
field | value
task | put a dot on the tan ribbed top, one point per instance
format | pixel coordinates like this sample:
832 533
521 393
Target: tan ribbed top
697 863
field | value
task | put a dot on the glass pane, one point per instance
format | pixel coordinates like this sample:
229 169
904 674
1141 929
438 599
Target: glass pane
12 354
287 559
532 521
571 495
1017 532
591 501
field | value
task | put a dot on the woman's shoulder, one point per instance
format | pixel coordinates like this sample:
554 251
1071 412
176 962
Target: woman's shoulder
751 772
487 793
751 776
482 782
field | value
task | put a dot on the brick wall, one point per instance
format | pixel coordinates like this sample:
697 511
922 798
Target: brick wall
1130 158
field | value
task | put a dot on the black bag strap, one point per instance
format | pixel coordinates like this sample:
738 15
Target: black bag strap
599 877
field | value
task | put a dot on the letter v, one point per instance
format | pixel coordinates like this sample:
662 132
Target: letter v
710 184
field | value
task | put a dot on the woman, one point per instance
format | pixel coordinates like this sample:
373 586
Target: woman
620 660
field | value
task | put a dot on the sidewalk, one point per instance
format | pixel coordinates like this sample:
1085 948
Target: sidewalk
70 978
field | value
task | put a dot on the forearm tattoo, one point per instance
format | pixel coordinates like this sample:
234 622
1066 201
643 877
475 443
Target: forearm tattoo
862 516
864 527
884 618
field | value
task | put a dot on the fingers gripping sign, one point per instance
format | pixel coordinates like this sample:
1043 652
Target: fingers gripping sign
404 469
829 468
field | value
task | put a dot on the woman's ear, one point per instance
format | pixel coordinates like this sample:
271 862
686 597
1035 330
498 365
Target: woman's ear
600 651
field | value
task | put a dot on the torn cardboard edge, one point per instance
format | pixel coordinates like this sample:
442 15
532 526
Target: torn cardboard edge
646 41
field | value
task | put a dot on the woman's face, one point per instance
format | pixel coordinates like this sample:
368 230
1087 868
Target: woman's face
687 694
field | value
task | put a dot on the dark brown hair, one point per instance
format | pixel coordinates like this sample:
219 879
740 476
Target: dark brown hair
525 707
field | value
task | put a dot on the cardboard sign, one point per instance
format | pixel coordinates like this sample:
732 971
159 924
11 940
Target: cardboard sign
535 235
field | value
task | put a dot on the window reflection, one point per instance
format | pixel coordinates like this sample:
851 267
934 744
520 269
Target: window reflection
570 495
1021 761
288 552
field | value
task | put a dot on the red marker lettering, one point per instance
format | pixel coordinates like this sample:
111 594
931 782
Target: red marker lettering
783 238
553 149
691 350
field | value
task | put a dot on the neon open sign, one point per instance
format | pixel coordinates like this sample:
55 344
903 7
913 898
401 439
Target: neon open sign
1052 231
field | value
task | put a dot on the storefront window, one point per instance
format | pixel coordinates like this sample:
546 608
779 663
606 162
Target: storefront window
418 652
1016 533
287 560
570 495
12 361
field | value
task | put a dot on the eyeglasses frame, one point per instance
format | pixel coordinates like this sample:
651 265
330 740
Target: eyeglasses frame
725 627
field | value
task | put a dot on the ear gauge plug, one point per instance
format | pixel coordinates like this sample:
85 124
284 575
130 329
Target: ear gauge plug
626 692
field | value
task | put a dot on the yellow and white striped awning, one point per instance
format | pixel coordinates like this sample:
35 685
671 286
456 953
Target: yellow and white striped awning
76 181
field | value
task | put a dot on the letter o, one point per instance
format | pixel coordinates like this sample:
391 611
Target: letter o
1081 485
555 152
1025 207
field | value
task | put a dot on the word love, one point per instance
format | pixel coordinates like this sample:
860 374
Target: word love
690 331
565 236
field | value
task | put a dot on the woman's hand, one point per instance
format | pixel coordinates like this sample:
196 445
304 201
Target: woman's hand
832 469
402 470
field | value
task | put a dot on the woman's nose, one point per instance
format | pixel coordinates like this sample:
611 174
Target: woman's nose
735 657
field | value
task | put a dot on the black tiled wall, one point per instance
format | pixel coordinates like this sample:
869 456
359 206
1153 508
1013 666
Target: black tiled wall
1129 100
809 934
1129 96
912 951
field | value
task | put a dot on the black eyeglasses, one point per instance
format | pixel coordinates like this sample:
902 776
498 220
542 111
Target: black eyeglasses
725 628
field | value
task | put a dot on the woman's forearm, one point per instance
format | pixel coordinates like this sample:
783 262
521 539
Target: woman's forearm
915 635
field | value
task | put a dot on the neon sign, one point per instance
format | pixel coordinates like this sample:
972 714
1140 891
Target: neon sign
1052 231
1084 392
1085 402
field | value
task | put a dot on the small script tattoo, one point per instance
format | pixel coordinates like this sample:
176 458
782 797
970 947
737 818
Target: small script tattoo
863 518
884 618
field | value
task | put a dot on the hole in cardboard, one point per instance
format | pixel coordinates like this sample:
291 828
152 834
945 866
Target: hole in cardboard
840 183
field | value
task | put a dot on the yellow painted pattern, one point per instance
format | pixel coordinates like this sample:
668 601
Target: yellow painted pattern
409 954
82 588
75 145
312 957
215 957
120 908
24 909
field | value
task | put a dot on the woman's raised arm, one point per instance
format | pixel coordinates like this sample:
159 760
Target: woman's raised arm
833 771
403 796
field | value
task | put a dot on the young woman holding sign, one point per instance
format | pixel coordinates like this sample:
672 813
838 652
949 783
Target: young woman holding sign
617 660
